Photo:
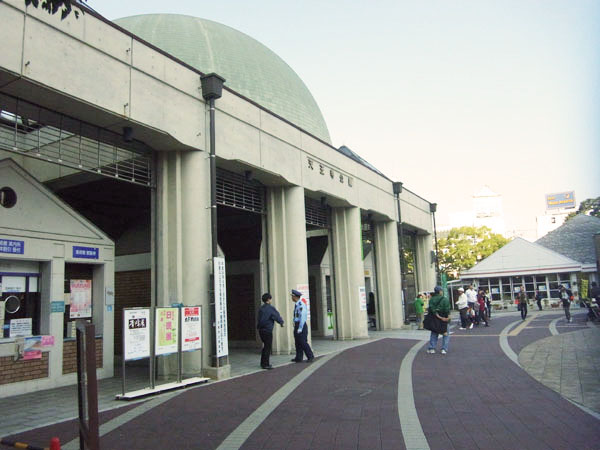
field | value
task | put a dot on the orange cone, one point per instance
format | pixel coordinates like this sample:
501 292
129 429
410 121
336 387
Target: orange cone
54 444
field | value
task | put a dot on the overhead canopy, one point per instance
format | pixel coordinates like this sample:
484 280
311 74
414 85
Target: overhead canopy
521 257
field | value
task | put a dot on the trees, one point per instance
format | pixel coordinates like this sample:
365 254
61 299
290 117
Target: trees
465 246
53 6
590 206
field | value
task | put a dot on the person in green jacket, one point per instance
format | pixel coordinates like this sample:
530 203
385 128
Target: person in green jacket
439 306
419 310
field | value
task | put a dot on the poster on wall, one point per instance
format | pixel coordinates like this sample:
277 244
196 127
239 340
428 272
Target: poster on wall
81 299
191 329
136 333
32 348
305 298
220 306
362 298
167 324
20 327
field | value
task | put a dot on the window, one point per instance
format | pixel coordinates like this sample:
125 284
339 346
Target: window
21 305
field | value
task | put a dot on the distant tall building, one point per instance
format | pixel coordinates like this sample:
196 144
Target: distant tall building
487 206
557 210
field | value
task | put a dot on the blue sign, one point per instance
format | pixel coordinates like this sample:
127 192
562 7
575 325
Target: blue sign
58 307
85 252
560 200
14 247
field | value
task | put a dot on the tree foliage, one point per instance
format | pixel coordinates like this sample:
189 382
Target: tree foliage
53 6
465 246
590 206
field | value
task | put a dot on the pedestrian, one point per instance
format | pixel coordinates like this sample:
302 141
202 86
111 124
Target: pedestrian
301 328
488 303
463 307
566 296
475 312
267 316
439 306
471 297
482 307
538 299
523 302
419 311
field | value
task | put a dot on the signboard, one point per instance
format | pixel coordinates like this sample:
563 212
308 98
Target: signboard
191 329
584 288
167 324
109 297
303 288
136 333
20 327
13 284
85 252
57 307
220 306
12 247
81 299
560 200
362 298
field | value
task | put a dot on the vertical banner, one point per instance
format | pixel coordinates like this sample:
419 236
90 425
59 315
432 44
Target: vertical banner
583 292
305 298
220 306
362 298
167 321
81 299
191 329
136 333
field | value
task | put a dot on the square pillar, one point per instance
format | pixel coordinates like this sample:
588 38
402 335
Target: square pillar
388 275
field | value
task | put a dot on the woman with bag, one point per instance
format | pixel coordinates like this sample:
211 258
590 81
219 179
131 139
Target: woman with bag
439 316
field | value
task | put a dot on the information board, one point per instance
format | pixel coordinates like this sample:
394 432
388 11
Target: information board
191 328
220 306
20 327
167 325
136 333
362 298
81 299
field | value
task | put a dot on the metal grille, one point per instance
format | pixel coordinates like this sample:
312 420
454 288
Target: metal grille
235 191
36 132
316 213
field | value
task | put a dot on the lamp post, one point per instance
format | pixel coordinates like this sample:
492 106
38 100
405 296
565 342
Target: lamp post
397 186
212 87
433 209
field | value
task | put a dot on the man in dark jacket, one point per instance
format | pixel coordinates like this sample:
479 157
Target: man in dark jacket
267 316
565 298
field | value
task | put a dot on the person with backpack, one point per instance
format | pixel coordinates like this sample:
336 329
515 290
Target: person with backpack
566 296
439 308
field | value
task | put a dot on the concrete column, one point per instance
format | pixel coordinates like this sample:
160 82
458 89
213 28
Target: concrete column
425 267
349 273
388 275
288 260
183 250
52 289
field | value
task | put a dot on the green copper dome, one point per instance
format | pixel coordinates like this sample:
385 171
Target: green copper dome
248 67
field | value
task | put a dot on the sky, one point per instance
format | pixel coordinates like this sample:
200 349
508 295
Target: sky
445 96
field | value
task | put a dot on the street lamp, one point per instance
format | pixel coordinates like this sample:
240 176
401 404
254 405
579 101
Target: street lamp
212 87
397 186
433 209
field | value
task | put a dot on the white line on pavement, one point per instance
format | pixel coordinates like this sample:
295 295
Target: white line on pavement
504 343
412 432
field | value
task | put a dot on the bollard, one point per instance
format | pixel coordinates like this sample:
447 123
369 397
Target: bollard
54 444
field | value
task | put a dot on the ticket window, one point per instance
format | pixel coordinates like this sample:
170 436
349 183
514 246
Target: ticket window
21 297
78 291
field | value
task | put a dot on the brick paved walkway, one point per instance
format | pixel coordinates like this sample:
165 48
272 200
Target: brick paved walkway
473 398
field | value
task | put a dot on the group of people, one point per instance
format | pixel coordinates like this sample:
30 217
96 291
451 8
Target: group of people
268 315
474 307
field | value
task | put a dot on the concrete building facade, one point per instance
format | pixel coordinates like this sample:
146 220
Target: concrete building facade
118 130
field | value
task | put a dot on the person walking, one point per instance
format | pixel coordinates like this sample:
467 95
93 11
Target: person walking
566 297
419 311
488 303
439 306
538 299
523 302
482 307
300 328
463 307
267 316
471 297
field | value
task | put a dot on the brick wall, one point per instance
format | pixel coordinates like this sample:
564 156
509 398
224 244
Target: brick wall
14 371
132 289
70 355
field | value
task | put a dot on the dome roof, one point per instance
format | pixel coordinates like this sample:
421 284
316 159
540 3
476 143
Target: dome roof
248 67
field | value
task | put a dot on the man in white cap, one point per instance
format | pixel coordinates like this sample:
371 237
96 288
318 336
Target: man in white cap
463 307
300 328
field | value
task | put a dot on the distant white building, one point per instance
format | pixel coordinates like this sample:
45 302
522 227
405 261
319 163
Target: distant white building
549 222
487 211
